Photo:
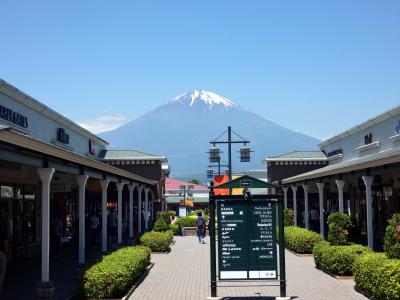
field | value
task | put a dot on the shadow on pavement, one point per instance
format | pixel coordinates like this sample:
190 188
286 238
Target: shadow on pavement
254 298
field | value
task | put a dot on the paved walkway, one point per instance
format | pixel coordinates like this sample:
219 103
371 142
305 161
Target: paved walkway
184 273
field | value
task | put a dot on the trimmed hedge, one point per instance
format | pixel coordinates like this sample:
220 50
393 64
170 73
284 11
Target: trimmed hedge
339 224
378 276
337 260
160 225
157 241
167 215
189 221
300 240
175 228
288 217
392 237
114 275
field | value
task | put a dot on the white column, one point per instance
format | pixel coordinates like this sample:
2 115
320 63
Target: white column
81 180
45 175
321 207
285 190
340 185
120 186
146 208
139 189
368 183
305 188
104 185
131 189
294 189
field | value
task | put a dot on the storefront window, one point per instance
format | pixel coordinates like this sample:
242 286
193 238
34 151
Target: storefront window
7 192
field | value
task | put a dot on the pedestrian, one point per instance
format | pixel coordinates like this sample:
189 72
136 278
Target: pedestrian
314 218
3 253
94 229
56 235
113 223
200 225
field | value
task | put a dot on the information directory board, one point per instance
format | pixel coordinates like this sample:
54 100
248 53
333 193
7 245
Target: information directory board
247 240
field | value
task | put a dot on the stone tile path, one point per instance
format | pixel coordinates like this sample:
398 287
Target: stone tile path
184 273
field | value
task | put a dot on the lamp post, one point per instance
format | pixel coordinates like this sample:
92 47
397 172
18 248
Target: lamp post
214 153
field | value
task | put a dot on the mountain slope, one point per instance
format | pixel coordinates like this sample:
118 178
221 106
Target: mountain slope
182 129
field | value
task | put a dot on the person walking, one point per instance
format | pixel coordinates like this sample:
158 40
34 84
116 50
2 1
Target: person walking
94 229
113 222
200 225
314 219
3 253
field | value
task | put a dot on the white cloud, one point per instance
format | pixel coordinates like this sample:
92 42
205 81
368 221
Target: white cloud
105 122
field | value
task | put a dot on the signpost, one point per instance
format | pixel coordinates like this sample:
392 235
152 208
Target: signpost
246 245
247 235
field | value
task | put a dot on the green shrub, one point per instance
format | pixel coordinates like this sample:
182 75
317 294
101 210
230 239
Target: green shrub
167 215
189 221
160 225
337 259
338 228
157 241
175 228
288 217
378 276
392 237
207 211
114 275
300 240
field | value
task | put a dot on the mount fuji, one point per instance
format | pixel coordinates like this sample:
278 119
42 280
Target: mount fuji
182 129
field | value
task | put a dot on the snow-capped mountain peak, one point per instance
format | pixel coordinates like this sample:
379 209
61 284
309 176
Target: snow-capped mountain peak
201 98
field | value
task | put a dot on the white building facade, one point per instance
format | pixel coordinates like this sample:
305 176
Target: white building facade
362 178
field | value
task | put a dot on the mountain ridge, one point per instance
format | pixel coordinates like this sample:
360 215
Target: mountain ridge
181 130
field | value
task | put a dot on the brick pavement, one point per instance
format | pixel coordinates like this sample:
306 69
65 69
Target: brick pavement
184 273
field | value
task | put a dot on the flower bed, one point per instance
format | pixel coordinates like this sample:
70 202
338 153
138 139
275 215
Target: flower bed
113 276
157 241
337 260
300 240
378 276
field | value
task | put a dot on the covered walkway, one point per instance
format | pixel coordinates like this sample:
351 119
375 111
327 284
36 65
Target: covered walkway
185 274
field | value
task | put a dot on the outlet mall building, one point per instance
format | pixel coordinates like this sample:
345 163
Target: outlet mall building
362 178
52 168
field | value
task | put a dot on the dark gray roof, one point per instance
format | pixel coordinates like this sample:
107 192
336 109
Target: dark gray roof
298 155
129 154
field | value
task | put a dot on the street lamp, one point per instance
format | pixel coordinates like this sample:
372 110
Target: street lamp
245 154
215 152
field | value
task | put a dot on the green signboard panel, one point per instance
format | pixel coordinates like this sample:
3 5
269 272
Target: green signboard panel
246 240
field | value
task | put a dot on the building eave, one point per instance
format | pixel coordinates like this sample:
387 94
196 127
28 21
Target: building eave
34 104
362 163
21 140
367 124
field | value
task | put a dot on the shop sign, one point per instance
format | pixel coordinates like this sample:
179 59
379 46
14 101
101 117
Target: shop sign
368 139
60 187
13 117
398 127
91 149
62 136
186 202
247 247
245 183
335 152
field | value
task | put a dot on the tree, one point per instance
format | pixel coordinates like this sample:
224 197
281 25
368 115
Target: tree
194 181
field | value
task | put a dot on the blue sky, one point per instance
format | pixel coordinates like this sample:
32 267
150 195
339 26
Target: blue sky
318 67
